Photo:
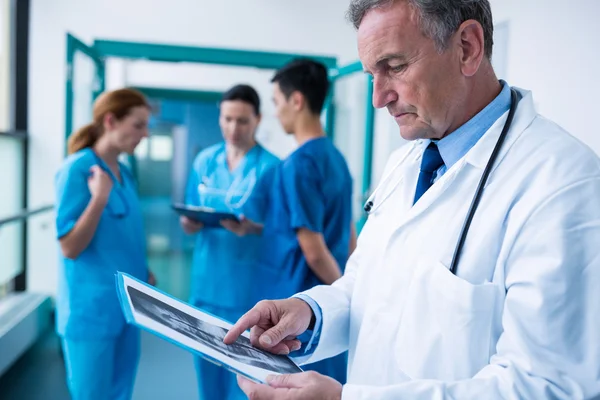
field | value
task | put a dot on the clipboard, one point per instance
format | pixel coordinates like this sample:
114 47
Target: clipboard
210 217
196 331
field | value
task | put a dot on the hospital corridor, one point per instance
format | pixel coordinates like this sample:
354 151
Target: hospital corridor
273 199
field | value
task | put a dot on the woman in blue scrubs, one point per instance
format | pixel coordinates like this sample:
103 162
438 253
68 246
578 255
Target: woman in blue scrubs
99 226
227 177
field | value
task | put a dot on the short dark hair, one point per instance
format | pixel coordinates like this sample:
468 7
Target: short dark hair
245 93
306 76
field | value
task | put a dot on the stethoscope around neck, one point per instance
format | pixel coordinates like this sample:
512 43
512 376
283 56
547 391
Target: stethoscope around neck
370 206
233 189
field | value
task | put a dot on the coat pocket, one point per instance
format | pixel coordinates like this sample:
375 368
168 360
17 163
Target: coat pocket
446 327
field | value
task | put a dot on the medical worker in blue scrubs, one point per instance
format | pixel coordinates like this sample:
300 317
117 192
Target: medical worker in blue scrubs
225 177
99 226
308 233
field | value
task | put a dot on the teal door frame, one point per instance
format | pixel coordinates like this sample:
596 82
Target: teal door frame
102 49
345 71
203 55
75 45
180 94
335 75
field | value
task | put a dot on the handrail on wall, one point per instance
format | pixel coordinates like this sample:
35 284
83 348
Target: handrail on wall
25 214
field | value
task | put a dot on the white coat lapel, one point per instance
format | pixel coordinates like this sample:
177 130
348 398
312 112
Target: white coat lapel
434 192
478 157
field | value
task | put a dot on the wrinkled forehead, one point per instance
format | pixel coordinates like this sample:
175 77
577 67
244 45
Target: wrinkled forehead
390 29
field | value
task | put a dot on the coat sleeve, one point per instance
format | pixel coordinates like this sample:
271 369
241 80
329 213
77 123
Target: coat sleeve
334 302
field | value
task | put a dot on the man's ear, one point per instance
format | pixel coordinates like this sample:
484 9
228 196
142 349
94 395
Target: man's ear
472 44
297 101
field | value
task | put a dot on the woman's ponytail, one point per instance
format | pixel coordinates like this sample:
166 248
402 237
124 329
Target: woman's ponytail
84 137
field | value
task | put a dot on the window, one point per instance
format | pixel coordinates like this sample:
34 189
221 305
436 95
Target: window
5 65
161 148
141 151
13 144
11 204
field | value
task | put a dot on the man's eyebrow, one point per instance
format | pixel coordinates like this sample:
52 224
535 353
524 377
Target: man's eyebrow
387 58
392 56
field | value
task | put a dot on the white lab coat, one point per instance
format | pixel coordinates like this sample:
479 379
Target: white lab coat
521 320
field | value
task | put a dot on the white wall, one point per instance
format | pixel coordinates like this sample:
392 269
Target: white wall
308 26
554 50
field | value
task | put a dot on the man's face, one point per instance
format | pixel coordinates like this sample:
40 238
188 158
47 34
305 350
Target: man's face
286 114
421 88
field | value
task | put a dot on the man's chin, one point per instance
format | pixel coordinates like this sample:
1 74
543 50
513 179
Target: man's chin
409 134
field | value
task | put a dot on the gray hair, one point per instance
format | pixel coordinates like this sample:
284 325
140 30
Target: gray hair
438 19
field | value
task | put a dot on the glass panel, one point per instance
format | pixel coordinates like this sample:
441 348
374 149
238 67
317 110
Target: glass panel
161 148
84 85
11 181
141 151
386 140
11 178
11 249
42 276
349 134
5 62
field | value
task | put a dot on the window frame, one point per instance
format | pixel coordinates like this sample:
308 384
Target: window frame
17 123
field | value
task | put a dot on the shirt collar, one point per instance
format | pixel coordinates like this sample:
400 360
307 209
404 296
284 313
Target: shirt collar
457 144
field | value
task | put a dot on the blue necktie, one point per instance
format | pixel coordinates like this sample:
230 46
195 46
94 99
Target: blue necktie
432 161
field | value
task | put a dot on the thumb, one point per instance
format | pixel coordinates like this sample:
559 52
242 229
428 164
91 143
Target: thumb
276 334
288 381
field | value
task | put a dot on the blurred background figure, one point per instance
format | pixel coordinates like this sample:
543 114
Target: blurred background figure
100 230
308 233
224 177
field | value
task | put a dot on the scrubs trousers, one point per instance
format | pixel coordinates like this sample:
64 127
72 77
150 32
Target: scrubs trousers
102 369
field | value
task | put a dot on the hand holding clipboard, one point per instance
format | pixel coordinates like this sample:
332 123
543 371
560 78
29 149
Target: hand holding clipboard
209 217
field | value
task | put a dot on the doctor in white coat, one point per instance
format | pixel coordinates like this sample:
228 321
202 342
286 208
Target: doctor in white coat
517 316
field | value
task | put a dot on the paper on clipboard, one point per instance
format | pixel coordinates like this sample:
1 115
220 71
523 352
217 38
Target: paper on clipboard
196 331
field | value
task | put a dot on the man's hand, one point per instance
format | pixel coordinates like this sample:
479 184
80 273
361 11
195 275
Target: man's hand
242 228
304 386
189 225
275 325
